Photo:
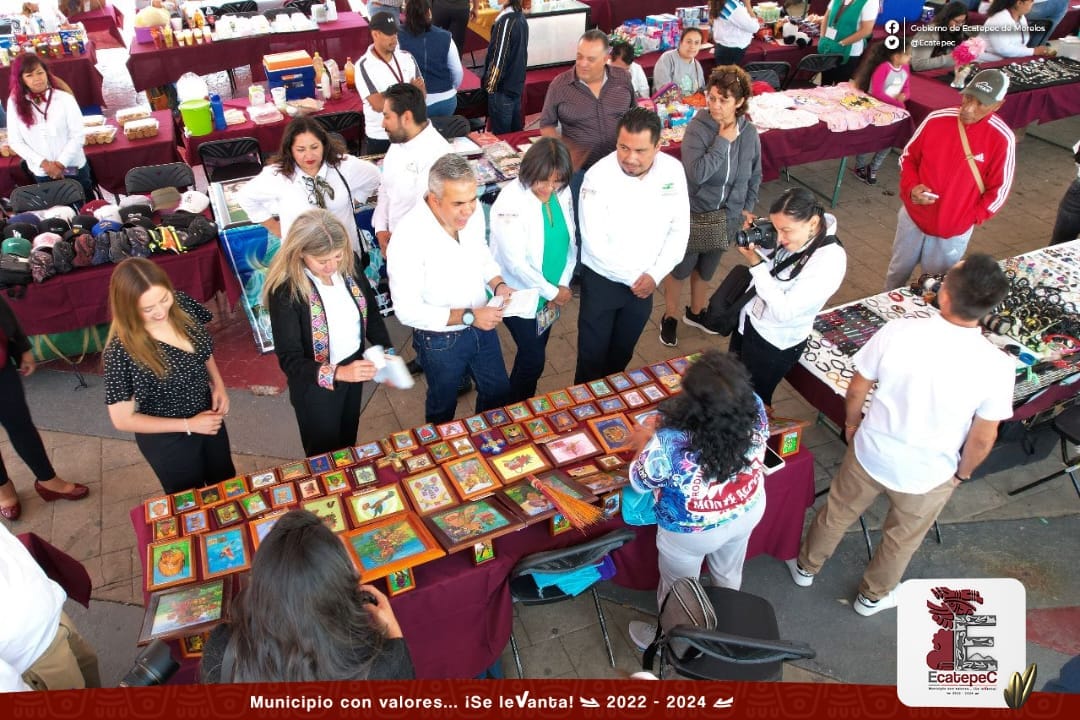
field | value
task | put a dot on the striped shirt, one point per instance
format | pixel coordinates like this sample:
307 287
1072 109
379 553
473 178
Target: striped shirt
587 120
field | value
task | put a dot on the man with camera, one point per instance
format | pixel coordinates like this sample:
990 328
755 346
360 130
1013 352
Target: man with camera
955 173
929 425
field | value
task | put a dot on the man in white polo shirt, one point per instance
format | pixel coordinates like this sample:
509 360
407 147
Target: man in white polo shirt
942 389
382 65
635 221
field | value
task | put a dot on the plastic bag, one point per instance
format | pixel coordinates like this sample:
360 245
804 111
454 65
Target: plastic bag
191 87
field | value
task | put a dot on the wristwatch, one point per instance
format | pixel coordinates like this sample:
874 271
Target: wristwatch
468 318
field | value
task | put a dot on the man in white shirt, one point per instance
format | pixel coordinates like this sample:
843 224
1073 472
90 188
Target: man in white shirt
382 65
635 221
441 276
942 389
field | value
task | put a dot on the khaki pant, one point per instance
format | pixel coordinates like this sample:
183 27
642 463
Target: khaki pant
69 663
909 519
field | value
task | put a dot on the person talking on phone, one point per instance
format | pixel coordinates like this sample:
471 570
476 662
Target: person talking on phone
955 173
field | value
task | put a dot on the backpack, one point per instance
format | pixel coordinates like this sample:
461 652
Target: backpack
685 604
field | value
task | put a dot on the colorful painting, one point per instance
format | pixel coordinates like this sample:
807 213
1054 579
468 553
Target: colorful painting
471 476
427 434
613 431
368 451
227 514
620 382
580 393
429 491
400 581
263 479
441 451
603 482
560 399
634 398
562 420
224 552
600 389
492 442
309 488
195 521
364 475
178 611
342 458
282 495
638 377
559 524
672 383
530 501
261 528
610 462
653 393
209 495
169 563
416 463
253 505
330 510
184 501
660 369
588 410
611 404
612 504
514 434
335 482
496 417
540 405
166 528
476 423
483 551
233 488
647 418
582 470
680 365
538 428
294 471
519 463
376 503
403 440
463 446
389 545
192 645
468 523
571 448
518 411
455 428
319 464
157 508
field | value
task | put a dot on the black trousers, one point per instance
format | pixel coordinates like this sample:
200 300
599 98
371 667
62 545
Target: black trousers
15 417
1067 225
328 419
182 461
452 16
530 358
767 363
610 322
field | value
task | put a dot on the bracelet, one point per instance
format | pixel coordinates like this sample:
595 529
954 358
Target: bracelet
962 479
187 428
496 290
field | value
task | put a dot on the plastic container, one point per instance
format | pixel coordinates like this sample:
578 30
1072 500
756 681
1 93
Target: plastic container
99 135
197 117
127 115
218 111
293 71
144 36
140 129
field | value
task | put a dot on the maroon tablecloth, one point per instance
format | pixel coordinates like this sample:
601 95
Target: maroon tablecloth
81 298
105 19
78 71
61 568
457 621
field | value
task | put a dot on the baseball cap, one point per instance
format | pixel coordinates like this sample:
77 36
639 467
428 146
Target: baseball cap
385 23
46 240
134 200
64 212
131 212
90 207
25 218
108 212
54 225
165 198
22 230
16 246
193 201
988 87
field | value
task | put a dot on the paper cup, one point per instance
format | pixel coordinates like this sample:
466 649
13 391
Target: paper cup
278 94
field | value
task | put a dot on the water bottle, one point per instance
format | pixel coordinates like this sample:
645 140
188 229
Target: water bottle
218 111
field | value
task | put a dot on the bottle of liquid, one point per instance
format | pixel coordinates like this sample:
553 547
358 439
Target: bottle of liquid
317 63
350 74
324 85
218 111
335 78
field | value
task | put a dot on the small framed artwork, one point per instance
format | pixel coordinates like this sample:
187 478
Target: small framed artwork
559 524
538 428
227 514
335 482
403 440
195 521
369 505
514 434
319 464
619 382
518 463
463 446
491 442
465 525
572 448
579 393
653 393
528 502
294 471
209 495
253 505
191 646
582 470
426 434
262 479
168 563
367 451
283 495
560 482
441 451
416 463
496 417
680 365
647 418
601 483
562 420
660 369
638 377
518 411
587 410
330 510
471 476
611 404
429 491
610 462
611 504
225 552
483 551
233 488
261 527
309 488
400 581
540 404
613 431
560 399
672 383
157 508
185 611
634 399
184 501
363 475
452 429
342 458
166 528
476 424
600 388
394 543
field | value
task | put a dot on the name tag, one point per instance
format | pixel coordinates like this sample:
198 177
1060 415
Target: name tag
759 308
830 33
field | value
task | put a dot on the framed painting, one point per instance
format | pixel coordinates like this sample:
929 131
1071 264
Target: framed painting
496 417
184 501
518 463
611 404
471 476
582 470
195 522
638 377
294 471
391 544
600 388
370 505
476 423
157 508
528 502
227 514
463 446
403 440
647 418
426 434
429 491
491 442
224 552
191 646
610 462
540 405
400 581
634 399
261 527
514 434
585 411
601 483
653 393
538 428
166 528
660 369
319 464
335 482
253 505
262 479
579 393
416 463
342 458
671 383
611 504
518 411
209 495
330 510
367 451
452 429
283 495
613 432
562 420
483 552
559 524
619 382
680 365
234 488
560 399
363 475
168 563
572 448
309 488
463 526
441 451
184 611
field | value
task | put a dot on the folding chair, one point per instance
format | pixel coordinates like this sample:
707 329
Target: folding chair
774 72
451 126
812 64
349 124
45 195
303 6
232 159
1067 425
148 178
233 8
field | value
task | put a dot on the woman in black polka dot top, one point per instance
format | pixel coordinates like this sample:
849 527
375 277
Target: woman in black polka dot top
161 381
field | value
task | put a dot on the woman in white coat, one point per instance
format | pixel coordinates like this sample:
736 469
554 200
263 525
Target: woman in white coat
532 239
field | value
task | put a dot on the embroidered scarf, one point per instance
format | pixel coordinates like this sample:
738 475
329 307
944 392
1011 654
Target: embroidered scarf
320 330
318 191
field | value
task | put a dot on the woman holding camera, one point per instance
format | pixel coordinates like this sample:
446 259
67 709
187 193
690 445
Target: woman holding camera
792 284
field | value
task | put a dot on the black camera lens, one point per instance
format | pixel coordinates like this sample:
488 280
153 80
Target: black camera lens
154 666
761 233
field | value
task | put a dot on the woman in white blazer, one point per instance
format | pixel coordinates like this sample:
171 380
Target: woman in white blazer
532 239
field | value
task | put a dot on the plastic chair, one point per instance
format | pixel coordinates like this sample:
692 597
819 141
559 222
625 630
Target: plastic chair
303 6
813 64
240 6
745 645
45 195
523 587
348 123
1067 425
774 72
225 160
451 126
148 178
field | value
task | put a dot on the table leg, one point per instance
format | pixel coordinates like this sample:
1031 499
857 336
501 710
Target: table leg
835 198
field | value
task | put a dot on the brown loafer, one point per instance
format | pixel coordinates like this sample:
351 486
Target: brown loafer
78 493
12 512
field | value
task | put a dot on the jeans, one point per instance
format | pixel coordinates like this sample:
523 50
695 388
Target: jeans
610 321
448 356
767 363
82 176
442 108
1067 225
874 160
1048 13
504 113
912 246
530 359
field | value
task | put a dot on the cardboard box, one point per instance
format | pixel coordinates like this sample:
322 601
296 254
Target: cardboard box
293 71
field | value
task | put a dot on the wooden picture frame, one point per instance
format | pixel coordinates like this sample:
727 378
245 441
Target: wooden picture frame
613 432
342 458
518 412
452 429
572 448
496 417
426 434
519 462
483 551
261 527
376 503
185 611
224 552
157 508
562 421
400 581
259 480
429 491
619 382
253 505
331 510
538 428
540 405
184 501
639 377
166 528
363 475
283 495
580 394
368 451
611 404
461 527
463 446
191 646
169 563
416 463
582 470
652 392
386 546
560 399
514 434
319 464
660 369
491 442
585 411
610 462
604 482
195 521
441 451
403 440
561 481
234 488
600 389
209 496
476 423
309 488
611 504
294 471
634 399
335 481
227 514
680 364
471 476
672 383
527 502
559 524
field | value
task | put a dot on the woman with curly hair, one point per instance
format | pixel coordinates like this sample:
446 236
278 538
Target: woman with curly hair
705 465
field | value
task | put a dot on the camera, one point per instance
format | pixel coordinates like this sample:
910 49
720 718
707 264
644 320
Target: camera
761 233
154 666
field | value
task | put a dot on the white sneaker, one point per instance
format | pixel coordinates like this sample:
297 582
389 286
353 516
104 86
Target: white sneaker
866 607
800 576
642 634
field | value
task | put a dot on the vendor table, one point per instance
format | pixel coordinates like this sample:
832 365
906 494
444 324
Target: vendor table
80 298
78 71
107 19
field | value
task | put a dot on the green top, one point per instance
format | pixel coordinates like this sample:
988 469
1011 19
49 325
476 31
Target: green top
846 25
556 242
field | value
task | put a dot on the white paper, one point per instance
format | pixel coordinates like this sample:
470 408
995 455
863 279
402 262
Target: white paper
389 368
522 303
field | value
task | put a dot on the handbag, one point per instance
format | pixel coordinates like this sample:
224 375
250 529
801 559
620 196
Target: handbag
638 508
722 314
708 232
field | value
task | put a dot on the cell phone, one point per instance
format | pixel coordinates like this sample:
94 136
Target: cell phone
773 462
931 195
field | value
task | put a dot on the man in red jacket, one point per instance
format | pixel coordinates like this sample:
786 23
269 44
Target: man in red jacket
955 173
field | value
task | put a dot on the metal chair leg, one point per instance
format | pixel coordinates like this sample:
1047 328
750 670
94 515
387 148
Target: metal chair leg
603 626
517 656
866 537
937 531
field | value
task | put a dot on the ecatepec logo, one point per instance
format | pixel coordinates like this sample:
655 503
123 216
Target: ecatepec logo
959 641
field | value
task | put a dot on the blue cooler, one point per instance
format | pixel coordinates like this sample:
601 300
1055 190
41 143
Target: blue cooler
293 71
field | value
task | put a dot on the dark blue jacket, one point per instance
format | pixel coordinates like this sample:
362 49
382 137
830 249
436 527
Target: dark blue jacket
507 55
431 50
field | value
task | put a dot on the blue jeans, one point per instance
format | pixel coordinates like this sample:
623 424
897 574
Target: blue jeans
1050 12
530 359
504 113
443 108
448 356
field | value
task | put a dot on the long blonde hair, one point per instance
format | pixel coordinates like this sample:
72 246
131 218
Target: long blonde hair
315 233
129 281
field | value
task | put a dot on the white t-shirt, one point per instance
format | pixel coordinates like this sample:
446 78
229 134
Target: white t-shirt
373 75
869 14
405 176
933 378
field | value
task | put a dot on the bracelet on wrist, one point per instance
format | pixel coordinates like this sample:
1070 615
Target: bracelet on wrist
499 285
187 428
962 479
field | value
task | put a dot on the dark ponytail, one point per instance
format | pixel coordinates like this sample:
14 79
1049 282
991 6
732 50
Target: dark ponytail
801 204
